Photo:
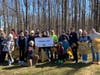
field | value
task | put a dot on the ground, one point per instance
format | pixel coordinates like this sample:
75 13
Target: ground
68 68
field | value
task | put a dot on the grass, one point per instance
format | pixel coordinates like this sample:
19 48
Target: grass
68 68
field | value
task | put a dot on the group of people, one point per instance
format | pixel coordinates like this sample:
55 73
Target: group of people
70 45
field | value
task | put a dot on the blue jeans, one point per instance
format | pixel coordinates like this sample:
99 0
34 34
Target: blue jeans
84 57
97 56
49 52
93 54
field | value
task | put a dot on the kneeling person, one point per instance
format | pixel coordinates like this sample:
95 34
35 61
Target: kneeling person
31 55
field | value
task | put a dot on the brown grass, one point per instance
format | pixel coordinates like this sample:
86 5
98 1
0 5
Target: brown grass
68 68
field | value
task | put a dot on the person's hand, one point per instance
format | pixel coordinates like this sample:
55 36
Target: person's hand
74 45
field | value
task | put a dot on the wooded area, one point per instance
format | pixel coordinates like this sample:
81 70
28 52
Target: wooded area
49 14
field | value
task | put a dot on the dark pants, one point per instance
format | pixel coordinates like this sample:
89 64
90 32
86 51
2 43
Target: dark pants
49 52
60 56
46 49
0 58
74 50
21 54
3 55
66 56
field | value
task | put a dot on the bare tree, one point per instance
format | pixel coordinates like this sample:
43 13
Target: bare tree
4 14
49 14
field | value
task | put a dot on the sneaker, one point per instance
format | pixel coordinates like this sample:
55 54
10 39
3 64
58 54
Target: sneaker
61 61
9 64
36 64
75 62
22 63
49 60
12 60
84 62
19 62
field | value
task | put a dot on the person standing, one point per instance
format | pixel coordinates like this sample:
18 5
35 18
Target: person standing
95 47
63 36
55 40
84 41
22 46
3 51
1 46
15 36
73 41
79 35
54 37
10 48
26 34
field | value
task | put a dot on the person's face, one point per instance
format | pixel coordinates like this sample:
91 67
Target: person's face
26 33
9 38
63 32
80 32
52 32
31 44
84 33
59 45
65 40
32 34
44 33
22 34
12 32
2 34
37 30
73 30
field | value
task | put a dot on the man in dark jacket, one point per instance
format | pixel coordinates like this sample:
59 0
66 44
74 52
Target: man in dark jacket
22 46
62 36
73 40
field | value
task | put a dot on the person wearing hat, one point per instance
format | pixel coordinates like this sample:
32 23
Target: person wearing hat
31 54
31 36
80 31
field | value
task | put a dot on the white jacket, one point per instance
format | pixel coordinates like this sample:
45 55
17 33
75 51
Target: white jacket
10 45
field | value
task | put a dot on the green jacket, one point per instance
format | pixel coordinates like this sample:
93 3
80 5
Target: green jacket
55 38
